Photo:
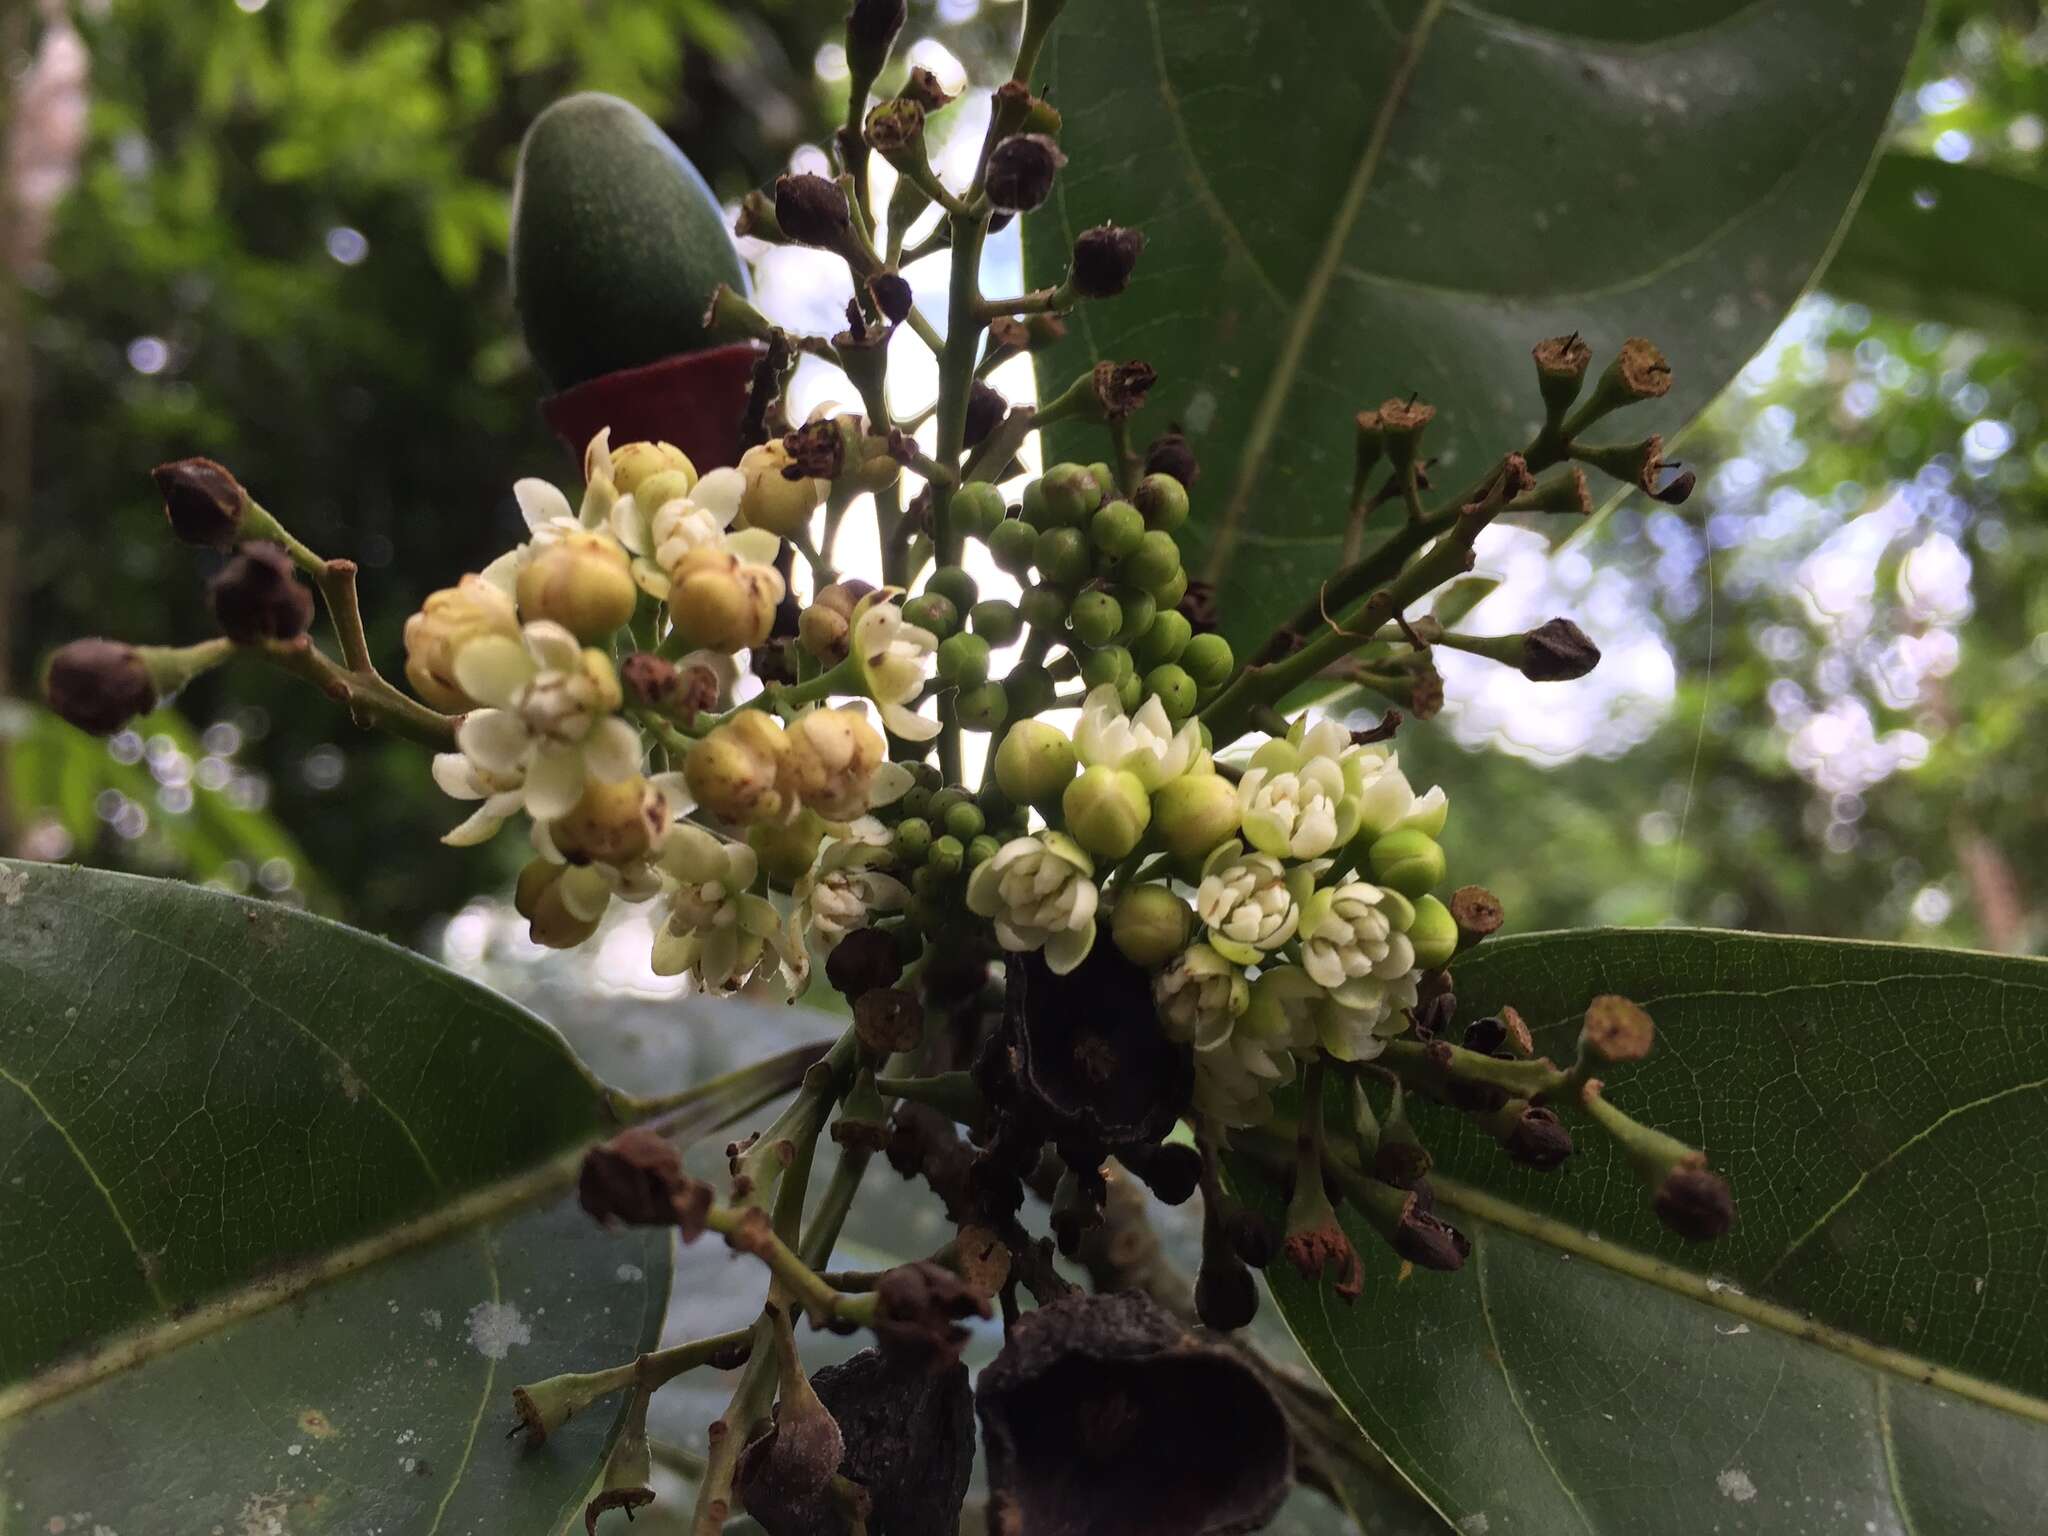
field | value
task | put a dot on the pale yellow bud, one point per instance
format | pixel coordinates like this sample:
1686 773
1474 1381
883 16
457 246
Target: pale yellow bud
769 501
736 772
583 581
447 621
635 463
786 849
823 632
612 823
538 898
878 470
833 755
720 604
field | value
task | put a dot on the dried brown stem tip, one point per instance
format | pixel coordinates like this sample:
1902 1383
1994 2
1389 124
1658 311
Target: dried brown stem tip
1617 1030
1638 372
257 596
636 1179
1561 364
887 1018
202 500
918 1311
1477 912
1104 258
985 410
99 685
1557 652
1021 170
1696 1203
811 210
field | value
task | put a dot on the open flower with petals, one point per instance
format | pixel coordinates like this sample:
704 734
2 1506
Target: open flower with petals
502 794
1041 893
660 537
893 659
549 517
1386 800
1145 744
717 930
610 844
1299 796
1200 994
550 723
845 889
1251 902
1353 944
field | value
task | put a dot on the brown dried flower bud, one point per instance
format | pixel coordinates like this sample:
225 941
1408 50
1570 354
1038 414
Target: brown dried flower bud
918 1311
1537 1139
909 1441
1103 260
1120 388
812 210
1170 454
1021 170
1477 912
1696 1203
985 410
1617 1029
202 500
871 27
816 450
636 1179
892 295
923 87
888 1018
257 596
864 961
1558 651
99 685
1172 1170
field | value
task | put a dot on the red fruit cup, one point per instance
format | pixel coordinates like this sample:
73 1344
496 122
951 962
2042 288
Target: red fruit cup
694 400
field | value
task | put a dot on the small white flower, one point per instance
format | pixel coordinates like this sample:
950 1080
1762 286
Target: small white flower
717 931
1251 902
550 722
549 517
1350 944
586 888
844 890
661 538
894 660
1234 1078
1145 744
1299 813
1200 995
502 795
1041 892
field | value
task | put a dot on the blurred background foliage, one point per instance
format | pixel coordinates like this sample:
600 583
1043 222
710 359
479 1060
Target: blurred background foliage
284 248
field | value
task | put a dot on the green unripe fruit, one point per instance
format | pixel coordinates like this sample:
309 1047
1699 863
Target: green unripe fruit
1110 666
1096 617
976 508
1407 861
1208 660
1061 556
1174 689
1151 925
1162 501
1034 763
932 612
1034 504
1116 529
996 621
1030 691
1152 563
981 850
1106 811
963 659
1174 590
1011 545
964 821
913 837
1165 640
1104 477
948 855
1194 813
1434 933
1130 693
953 584
944 800
1043 609
983 708
1139 611
916 801
1071 495
617 243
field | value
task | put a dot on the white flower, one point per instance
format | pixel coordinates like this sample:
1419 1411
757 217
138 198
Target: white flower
717 930
550 724
1234 1078
894 660
1355 1023
549 518
661 538
1251 902
1299 813
1041 892
844 890
1351 943
1386 800
1145 744
1200 995
502 795
587 887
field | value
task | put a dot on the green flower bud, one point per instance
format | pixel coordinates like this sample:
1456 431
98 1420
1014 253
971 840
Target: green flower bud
1195 812
1208 660
1174 689
946 799
1061 556
1130 693
1164 641
1152 563
1176 588
1151 925
1434 933
1096 617
996 621
1030 692
954 584
916 801
1163 502
981 850
983 708
1140 609
1071 495
1116 529
948 855
1034 505
635 465
934 612
1108 666
1104 477
1408 861
1043 608
1035 763
1011 544
1106 811
977 507
913 837
965 821
963 659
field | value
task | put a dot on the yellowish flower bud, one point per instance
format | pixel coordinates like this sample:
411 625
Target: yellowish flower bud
583 581
823 632
606 696
1106 811
787 849
448 620
661 488
720 604
538 898
878 470
736 772
612 823
1151 925
769 501
831 762
1195 812
636 463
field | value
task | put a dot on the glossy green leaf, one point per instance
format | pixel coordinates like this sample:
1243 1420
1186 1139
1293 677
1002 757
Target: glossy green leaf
1348 202
283 1218
1947 242
1866 1352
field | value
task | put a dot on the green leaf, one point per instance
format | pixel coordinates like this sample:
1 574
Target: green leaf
1348 202
283 1219
1947 242
1865 1352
